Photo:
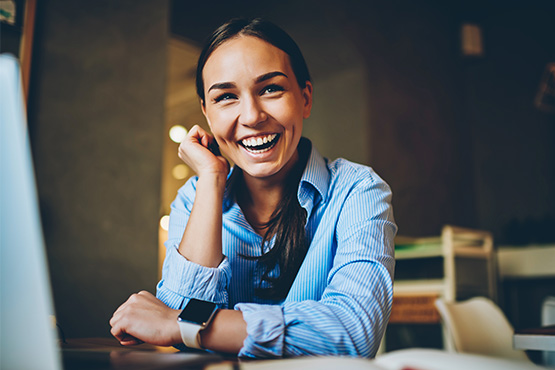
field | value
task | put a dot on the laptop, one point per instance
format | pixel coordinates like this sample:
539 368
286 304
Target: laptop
28 336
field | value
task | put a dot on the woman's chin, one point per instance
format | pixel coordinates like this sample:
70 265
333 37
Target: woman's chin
260 171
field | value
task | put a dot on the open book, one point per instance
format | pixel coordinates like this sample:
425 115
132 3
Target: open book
406 359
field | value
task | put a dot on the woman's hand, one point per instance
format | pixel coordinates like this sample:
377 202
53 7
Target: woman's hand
194 151
144 318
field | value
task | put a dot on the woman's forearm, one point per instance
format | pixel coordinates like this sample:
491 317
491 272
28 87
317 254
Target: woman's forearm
202 239
226 332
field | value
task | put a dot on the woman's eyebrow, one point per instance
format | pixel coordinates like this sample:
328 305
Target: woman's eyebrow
259 79
222 85
269 75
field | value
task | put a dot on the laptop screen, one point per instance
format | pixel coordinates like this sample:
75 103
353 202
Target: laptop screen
28 337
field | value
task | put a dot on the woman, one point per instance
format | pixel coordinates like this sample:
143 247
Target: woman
295 251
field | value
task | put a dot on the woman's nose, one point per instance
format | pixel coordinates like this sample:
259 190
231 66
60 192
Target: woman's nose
252 112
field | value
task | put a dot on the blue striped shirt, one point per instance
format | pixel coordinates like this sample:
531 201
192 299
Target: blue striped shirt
340 301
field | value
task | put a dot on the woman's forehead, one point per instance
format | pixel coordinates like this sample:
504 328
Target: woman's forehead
243 56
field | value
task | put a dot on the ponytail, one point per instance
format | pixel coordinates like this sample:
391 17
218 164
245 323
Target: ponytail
287 223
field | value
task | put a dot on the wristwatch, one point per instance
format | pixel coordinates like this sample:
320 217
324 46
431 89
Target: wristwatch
195 316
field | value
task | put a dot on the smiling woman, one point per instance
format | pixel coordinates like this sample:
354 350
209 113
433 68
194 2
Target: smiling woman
288 253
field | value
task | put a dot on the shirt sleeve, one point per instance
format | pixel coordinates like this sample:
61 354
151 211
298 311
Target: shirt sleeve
181 278
352 314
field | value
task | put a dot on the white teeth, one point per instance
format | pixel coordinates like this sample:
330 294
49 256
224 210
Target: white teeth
250 142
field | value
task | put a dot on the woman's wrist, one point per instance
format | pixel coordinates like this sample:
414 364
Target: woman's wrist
213 181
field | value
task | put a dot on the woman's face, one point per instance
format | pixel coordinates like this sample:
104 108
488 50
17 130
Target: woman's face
254 105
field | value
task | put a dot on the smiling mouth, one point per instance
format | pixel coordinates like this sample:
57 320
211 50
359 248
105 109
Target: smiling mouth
260 144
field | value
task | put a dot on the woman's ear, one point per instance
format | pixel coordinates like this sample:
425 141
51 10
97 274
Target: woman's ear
307 97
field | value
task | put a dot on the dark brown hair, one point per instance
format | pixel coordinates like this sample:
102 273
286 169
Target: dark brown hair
262 29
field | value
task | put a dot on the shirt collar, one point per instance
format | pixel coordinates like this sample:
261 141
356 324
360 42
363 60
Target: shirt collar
229 197
316 174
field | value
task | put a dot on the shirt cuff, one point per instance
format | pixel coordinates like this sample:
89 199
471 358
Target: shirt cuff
265 329
191 280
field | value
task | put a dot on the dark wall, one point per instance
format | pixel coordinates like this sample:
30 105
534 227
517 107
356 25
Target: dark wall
96 118
513 142
419 135
459 138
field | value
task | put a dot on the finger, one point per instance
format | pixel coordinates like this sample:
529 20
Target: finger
118 313
113 321
201 136
191 141
123 337
133 342
129 340
134 299
205 141
196 133
145 293
119 334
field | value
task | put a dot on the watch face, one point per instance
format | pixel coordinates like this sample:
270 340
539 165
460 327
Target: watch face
197 311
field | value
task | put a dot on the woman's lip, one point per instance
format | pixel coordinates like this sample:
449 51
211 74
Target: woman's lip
256 136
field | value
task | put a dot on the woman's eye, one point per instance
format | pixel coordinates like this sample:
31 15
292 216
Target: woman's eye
272 89
224 97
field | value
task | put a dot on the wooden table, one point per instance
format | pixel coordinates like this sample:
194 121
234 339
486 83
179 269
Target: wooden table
108 354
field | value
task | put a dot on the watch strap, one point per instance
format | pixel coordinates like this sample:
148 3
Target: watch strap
190 334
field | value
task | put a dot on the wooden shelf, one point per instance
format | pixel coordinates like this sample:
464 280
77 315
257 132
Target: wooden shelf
419 253
423 286
457 265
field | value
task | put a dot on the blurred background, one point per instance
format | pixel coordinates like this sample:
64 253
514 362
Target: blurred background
442 98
